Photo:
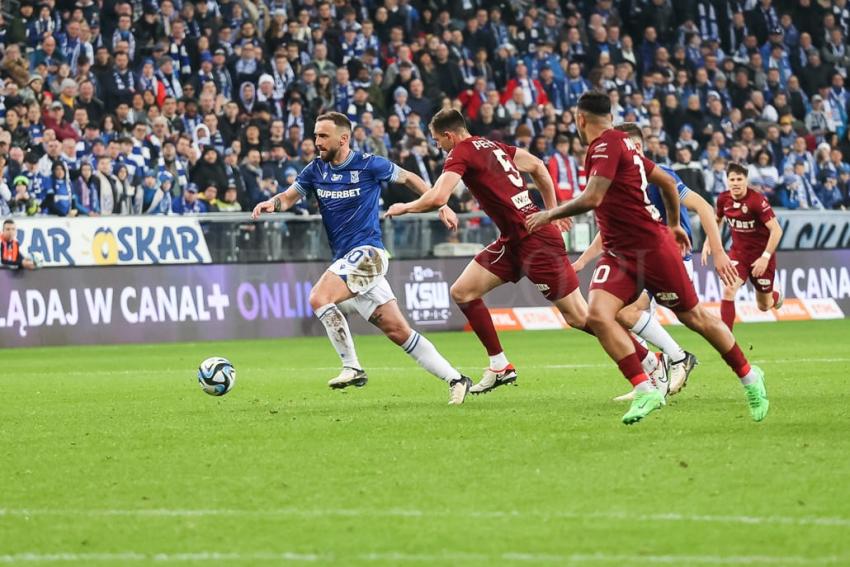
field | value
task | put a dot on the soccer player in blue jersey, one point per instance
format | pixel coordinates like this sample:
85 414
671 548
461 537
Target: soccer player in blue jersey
639 316
347 185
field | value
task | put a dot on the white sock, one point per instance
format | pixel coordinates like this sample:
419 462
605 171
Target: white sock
645 386
339 334
749 378
649 363
425 353
499 361
650 329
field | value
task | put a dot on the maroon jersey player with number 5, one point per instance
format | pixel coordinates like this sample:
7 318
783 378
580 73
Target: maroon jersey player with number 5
493 173
640 252
755 235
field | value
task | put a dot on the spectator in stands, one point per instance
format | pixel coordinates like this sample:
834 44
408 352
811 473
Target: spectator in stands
189 203
763 175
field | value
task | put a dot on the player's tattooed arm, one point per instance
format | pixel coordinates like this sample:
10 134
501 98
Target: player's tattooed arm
277 204
591 198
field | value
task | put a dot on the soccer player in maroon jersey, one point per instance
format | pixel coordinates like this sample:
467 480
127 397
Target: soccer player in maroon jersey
640 252
493 173
755 235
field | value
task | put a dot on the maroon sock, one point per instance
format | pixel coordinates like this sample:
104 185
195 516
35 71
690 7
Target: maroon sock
482 323
633 371
737 361
775 298
727 313
640 350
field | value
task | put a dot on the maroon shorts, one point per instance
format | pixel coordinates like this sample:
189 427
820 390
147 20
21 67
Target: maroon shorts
661 272
744 265
540 256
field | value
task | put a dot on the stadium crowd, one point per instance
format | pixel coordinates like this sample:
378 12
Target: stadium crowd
183 106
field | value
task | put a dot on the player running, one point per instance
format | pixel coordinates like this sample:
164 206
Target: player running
639 317
347 186
755 235
493 173
640 252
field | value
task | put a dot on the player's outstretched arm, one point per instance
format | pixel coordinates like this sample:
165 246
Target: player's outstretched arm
410 179
433 198
277 204
760 265
694 202
591 253
592 197
534 166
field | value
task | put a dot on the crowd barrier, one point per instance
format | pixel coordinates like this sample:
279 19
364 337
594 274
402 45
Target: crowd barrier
162 303
235 238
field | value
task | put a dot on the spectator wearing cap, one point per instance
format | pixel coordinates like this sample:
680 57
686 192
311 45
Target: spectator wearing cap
22 201
170 79
188 203
148 30
68 97
818 121
828 191
54 119
230 201
16 32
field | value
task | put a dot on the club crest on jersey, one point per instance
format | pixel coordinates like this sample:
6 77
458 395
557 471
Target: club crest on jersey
744 208
355 177
336 177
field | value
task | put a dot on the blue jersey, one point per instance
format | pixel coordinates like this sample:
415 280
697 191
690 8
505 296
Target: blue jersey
349 198
654 194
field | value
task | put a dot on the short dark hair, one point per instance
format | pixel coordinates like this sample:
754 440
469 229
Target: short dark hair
7 222
632 129
448 120
339 119
735 167
595 102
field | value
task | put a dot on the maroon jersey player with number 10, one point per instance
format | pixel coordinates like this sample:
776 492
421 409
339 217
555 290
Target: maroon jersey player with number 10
640 252
755 235
493 173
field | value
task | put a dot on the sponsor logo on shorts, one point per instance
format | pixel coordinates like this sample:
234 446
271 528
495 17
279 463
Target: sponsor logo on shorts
667 297
542 287
426 296
763 281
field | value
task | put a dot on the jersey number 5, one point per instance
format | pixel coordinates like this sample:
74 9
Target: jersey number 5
653 212
513 175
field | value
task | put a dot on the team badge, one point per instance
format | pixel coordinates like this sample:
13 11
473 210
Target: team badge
355 177
744 209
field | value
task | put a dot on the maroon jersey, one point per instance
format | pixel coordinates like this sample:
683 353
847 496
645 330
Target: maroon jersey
747 219
626 217
488 170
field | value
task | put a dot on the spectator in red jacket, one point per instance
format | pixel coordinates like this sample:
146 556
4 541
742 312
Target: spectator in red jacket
532 89
473 98
54 119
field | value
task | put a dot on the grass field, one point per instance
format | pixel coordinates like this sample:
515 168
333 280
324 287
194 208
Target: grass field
114 456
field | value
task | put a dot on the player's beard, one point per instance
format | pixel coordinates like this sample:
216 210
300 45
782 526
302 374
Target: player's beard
582 135
328 155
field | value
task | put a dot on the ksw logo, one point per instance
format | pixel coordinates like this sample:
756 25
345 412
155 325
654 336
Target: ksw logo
427 296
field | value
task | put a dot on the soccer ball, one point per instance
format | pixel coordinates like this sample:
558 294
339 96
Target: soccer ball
216 376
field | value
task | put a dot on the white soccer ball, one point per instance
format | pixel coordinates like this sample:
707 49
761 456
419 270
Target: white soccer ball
37 259
216 376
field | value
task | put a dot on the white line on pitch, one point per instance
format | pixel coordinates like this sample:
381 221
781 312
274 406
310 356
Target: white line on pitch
412 513
401 557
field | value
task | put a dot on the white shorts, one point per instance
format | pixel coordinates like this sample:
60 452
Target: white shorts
689 267
364 270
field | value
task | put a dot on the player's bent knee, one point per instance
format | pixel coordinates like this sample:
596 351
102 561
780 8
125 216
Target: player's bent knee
462 294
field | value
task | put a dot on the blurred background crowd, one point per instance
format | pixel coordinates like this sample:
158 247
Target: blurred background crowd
184 107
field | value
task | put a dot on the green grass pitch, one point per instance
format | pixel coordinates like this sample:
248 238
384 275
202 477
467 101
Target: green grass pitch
114 456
